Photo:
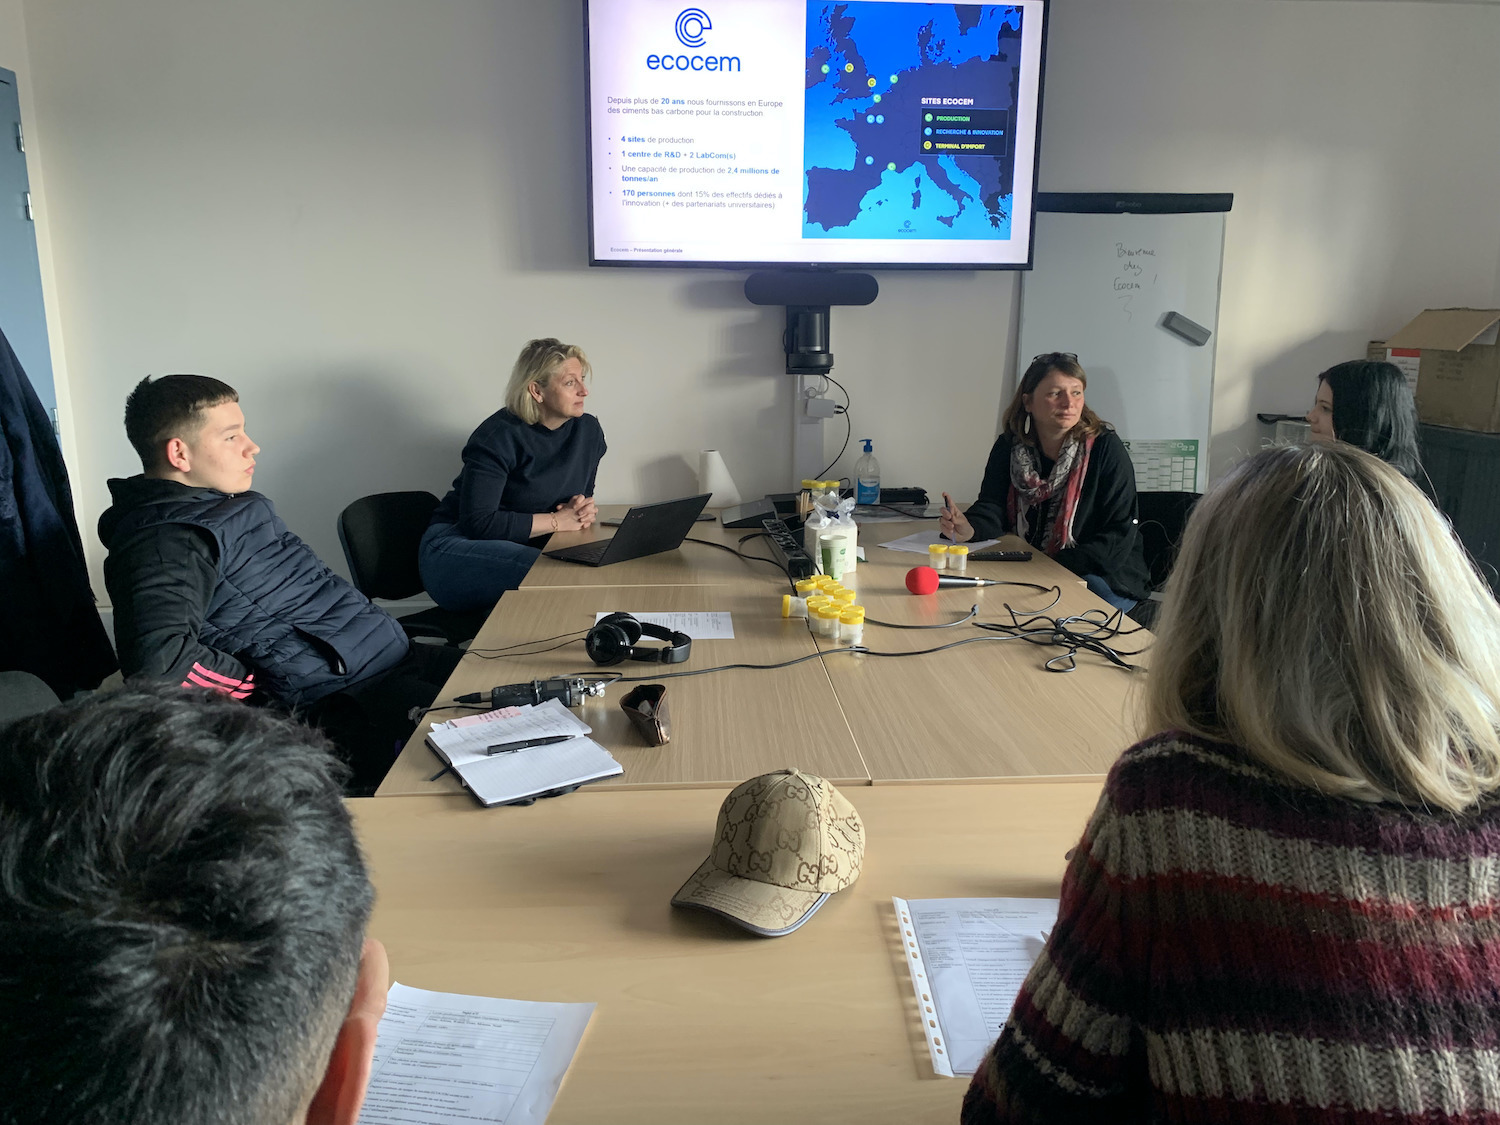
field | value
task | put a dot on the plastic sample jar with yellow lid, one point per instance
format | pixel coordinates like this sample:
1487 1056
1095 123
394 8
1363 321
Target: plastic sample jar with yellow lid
825 620
852 624
958 557
937 556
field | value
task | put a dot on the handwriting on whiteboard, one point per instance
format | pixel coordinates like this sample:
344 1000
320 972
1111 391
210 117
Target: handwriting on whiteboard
1130 275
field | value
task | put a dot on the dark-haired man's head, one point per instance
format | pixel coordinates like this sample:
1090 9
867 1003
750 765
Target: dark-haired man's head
182 913
189 428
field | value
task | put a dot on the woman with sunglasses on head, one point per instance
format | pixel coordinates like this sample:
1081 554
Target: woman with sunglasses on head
1060 478
1286 905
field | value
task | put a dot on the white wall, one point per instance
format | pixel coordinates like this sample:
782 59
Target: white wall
1361 141
356 210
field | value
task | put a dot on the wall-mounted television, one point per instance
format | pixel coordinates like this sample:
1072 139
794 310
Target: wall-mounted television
862 133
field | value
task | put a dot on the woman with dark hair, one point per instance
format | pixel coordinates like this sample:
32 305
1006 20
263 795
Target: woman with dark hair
1368 404
1060 478
1286 905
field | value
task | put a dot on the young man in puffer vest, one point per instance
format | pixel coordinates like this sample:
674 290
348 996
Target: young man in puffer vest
211 590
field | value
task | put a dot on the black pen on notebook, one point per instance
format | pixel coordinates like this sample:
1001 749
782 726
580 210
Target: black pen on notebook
525 744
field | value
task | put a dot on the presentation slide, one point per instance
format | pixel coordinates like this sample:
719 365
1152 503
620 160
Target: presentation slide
870 132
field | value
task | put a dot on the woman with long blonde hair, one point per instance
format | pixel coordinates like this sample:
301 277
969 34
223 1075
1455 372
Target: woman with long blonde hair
1287 903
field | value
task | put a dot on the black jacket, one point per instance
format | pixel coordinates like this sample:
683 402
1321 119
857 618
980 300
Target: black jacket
48 623
212 590
1104 526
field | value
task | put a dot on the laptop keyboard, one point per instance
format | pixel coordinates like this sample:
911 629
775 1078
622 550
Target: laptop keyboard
589 552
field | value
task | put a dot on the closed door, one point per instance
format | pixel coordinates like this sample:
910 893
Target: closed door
22 317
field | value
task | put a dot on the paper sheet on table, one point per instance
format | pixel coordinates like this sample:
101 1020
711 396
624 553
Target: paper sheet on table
442 1058
700 626
462 742
487 717
968 958
917 544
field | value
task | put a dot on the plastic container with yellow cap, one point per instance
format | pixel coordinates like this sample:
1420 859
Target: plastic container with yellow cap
844 597
937 556
807 587
826 621
852 624
958 558
792 606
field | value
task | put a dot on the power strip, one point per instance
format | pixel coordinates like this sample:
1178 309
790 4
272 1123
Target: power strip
903 496
789 550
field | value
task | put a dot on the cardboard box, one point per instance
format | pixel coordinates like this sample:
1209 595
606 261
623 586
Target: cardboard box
1405 360
1458 375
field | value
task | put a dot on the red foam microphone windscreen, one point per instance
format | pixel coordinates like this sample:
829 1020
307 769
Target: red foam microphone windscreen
922 580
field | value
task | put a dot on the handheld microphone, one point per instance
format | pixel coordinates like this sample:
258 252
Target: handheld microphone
571 690
925 580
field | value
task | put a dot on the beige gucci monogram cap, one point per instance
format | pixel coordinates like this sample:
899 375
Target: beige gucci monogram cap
785 842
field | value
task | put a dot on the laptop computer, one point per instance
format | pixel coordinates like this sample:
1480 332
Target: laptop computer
648 529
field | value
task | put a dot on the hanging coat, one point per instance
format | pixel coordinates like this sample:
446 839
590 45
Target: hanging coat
48 623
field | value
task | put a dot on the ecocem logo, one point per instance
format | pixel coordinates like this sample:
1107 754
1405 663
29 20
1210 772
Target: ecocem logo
691 24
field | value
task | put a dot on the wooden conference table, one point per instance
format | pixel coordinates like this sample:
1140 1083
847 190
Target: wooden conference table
697 1021
569 900
985 710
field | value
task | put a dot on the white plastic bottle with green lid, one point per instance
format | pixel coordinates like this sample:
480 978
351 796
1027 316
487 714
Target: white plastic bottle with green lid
867 476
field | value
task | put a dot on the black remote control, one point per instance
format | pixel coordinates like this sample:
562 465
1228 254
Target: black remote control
788 549
1001 556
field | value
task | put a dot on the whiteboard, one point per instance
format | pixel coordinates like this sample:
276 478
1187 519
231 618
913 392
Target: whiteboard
1101 287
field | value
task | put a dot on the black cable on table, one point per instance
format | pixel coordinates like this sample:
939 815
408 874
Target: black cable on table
748 558
505 651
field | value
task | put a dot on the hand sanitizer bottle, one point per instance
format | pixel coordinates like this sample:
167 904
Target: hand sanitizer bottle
867 476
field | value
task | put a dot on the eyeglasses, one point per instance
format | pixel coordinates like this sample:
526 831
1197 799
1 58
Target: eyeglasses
1071 357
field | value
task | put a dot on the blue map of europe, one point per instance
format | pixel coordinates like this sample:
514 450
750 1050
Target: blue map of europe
872 162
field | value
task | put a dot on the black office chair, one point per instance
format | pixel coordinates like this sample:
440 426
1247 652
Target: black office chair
22 694
1162 516
380 535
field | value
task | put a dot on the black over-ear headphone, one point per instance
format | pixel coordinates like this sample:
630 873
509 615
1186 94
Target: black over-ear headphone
612 641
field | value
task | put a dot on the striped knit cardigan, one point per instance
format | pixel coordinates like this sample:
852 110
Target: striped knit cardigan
1234 947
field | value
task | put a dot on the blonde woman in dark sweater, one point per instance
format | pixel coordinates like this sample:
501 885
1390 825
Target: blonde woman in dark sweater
528 471
1286 906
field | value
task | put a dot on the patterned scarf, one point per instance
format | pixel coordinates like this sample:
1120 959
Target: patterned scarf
1028 490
